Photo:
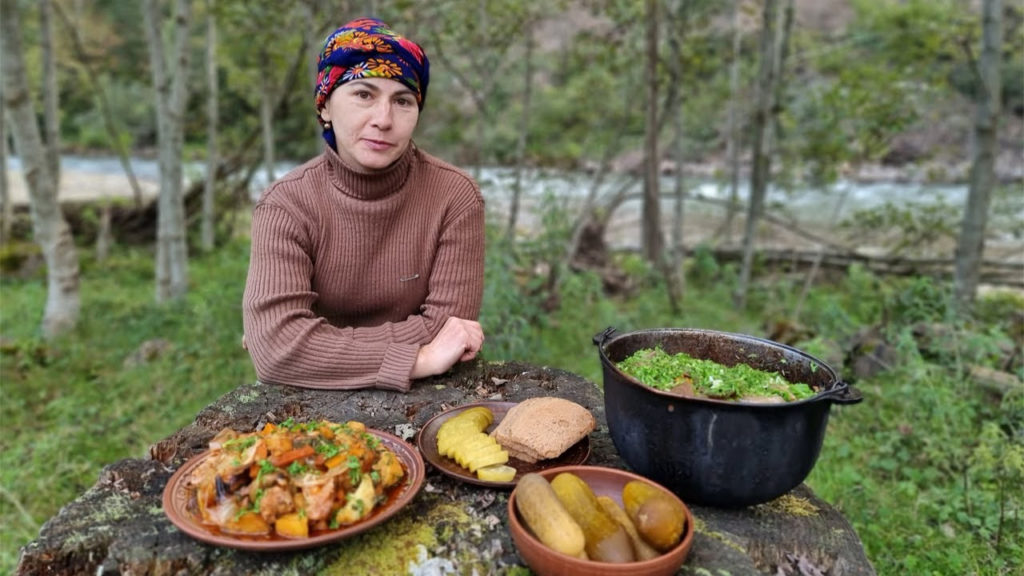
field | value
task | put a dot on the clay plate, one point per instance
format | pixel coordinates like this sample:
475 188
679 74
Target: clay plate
176 505
604 482
427 442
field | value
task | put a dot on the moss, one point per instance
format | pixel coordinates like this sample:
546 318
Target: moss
787 504
391 548
700 526
248 397
113 508
14 256
84 539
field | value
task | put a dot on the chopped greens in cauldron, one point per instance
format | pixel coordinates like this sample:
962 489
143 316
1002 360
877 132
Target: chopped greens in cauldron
688 376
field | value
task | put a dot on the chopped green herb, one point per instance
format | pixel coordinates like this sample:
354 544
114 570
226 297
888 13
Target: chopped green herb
327 449
355 470
660 370
372 441
240 444
296 468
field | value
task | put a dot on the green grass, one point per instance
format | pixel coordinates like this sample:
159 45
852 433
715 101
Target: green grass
74 405
924 468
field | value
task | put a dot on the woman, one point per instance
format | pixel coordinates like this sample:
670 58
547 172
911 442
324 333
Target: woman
367 261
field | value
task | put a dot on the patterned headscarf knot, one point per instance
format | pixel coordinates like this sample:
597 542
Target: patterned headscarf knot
368 48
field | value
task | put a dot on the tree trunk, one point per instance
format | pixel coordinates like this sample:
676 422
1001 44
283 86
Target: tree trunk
171 89
51 92
50 228
653 243
524 131
212 125
732 139
314 39
982 179
782 31
674 276
104 234
6 206
267 123
760 154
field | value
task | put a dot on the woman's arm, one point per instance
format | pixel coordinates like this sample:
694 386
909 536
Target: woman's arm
290 344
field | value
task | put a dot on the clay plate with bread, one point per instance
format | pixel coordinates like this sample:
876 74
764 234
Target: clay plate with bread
530 456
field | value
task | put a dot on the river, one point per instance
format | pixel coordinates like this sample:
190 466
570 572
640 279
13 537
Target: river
546 191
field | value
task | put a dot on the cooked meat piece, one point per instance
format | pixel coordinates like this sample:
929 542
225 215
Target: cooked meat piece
319 499
275 502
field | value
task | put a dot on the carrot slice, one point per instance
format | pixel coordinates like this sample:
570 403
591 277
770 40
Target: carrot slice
286 458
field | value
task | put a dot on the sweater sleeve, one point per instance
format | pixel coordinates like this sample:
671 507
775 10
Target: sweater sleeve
289 344
456 279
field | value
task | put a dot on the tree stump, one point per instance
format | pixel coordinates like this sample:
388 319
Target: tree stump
118 526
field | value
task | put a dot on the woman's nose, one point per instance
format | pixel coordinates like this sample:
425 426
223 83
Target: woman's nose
382 115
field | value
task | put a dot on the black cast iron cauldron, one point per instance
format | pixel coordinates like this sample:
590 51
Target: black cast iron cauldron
711 452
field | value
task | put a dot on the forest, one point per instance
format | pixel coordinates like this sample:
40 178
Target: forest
844 176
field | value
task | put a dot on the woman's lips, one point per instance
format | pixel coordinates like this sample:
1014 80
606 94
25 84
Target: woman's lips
377 144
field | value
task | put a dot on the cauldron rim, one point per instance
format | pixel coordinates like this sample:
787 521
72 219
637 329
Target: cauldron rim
834 390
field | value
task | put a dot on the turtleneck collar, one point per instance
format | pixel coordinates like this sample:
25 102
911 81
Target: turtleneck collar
365 185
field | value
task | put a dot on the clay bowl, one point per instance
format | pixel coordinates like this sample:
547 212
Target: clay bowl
604 482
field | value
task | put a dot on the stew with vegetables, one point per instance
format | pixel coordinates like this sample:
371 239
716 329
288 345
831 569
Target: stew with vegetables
687 376
291 479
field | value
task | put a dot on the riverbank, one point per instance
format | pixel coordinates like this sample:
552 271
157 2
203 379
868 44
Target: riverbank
84 186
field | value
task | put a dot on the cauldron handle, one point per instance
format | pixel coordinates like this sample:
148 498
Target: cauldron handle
842 393
603 336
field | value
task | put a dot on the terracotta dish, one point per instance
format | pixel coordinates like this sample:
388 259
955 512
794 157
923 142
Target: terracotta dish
427 442
176 499
604 482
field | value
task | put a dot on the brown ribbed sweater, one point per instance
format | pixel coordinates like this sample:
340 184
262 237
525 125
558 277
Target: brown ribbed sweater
350 273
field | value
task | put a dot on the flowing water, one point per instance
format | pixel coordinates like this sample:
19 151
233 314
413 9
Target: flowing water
547 193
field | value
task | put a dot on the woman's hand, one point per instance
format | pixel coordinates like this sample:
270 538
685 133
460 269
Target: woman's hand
458 341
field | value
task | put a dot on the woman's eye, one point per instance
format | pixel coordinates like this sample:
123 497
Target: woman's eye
404 101
363 95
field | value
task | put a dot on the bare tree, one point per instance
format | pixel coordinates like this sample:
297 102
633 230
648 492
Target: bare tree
212 125
315 41
524 131
971 242
49 227
170 83
733 137
761 152
51 95
478 71
653 243
95 79
267 99
6 206
674 276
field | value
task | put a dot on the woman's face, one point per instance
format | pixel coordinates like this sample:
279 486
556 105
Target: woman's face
373 120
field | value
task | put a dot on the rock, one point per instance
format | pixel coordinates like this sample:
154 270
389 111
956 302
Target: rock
119 527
